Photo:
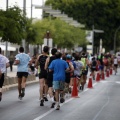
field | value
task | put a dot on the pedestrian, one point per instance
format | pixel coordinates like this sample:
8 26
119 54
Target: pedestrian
11 61
50 74
59 67
22 60
41 59
4 63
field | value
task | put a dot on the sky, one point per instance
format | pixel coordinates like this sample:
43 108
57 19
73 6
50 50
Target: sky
36 13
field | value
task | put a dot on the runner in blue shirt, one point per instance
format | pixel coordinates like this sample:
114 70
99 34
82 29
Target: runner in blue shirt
22 61
59 67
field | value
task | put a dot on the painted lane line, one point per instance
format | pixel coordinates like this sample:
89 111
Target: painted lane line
50 111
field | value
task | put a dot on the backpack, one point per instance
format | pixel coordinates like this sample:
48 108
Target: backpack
105 61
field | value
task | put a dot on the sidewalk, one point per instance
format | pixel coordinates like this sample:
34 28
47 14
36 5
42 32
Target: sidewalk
12 75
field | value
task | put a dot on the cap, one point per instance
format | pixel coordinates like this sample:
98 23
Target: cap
68 56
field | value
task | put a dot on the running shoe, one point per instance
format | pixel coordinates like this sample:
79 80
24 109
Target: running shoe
45 98
20 97
22 94
58 107
42 102
62 100
0 96
53 105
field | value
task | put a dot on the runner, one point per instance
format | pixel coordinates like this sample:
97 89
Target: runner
100 64
93 67
115 64
22 60
50 74
118 57
77 71
58 67
69 74
4 63
85 69
43 75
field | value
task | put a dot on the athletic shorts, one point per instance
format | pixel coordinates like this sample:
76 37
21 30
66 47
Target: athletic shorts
2 80
50 79
84 72
67 78
43 74
93 69
116 65
22 74
58 85
101 67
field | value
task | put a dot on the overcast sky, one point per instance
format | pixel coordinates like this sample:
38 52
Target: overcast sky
36 12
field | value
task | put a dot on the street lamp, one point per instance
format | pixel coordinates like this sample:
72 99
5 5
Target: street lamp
115 38
95 31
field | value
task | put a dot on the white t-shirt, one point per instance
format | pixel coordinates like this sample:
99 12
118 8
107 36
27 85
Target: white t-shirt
115 61
3 61
118 57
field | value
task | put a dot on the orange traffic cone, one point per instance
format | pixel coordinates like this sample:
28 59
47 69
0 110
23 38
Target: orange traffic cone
90 82
107 73
111 71
103 76
98 77
75 90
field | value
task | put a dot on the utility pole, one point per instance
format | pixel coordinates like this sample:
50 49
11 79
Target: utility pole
24 11
31 8
6 41
93 39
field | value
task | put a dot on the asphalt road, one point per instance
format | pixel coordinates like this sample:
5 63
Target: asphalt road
100 103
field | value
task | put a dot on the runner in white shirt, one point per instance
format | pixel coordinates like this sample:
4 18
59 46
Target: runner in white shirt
115 64
4 63
118 57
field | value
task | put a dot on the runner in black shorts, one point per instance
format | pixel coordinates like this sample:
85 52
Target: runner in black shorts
43 75
50 74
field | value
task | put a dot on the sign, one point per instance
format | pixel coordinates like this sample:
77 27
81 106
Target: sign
89 36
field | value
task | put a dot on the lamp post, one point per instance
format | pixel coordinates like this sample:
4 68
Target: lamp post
48 36
115 38
95 31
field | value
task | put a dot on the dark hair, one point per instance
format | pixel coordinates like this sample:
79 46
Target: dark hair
58 55
53 51
21 49
46 49
77 57
0 50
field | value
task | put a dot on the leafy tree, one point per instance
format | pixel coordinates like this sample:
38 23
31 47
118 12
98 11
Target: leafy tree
103 14
12 24
62 34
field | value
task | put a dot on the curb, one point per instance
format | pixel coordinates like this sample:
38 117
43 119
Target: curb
9 87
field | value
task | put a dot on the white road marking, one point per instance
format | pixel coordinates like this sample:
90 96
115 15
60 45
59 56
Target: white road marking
50 111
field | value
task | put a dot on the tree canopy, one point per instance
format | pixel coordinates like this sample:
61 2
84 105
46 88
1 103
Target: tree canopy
12 25
103 14
62 34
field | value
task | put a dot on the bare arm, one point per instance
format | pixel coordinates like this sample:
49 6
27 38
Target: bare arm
46 63
71 67
36 62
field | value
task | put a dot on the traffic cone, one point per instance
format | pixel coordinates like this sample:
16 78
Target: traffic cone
98 77
110 71
103 76
107 73
75 90
90 82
